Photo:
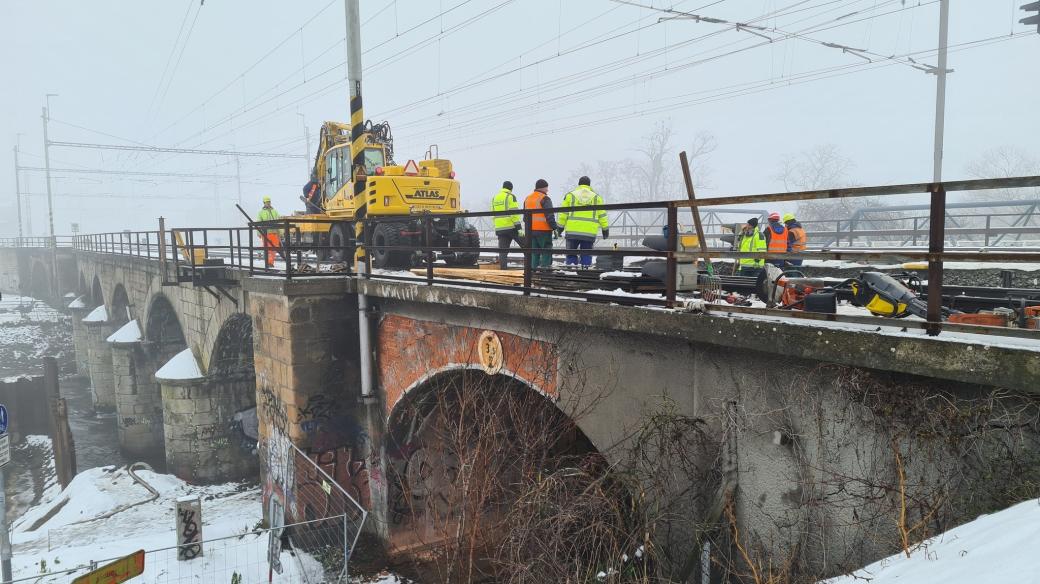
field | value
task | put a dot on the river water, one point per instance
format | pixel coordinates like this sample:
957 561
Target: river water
29 331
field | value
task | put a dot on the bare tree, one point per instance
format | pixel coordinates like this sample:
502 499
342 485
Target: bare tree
825 166
1004 162
652 175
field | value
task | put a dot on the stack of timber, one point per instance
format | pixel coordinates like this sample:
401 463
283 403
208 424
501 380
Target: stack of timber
583 280
503 277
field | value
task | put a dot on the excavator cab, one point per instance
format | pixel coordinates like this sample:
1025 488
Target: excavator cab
408 191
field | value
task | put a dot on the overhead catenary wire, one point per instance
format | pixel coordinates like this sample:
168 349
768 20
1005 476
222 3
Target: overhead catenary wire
169 58
173 150
177 64
245 71
766 85
598 73
341 63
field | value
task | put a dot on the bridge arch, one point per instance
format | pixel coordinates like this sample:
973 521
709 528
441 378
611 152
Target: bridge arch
232 354
163 329
40 281
118 310
461 425
97 294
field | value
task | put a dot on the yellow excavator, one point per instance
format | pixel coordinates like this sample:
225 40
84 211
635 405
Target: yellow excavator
355 177
406 192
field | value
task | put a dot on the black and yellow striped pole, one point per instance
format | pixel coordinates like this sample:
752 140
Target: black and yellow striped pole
357 115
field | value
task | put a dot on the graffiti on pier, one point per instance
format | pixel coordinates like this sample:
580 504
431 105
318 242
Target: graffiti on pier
271 407
276 458
343 466
328 426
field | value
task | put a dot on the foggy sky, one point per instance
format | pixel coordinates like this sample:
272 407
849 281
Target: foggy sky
551 104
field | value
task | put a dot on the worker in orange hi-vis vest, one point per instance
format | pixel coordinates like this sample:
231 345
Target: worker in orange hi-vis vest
797 239
269 237
776 238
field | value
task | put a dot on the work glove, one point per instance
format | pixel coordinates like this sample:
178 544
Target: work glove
606 233
520 233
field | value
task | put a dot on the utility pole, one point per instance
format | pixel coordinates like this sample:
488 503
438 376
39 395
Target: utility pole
47 166
18 191
940 89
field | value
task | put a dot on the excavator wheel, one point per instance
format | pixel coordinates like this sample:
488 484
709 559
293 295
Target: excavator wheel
321 250
340 243
469 239
388 234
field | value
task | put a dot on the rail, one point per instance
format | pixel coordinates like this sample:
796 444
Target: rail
301 248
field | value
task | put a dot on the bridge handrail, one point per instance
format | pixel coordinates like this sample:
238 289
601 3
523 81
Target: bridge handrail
195 250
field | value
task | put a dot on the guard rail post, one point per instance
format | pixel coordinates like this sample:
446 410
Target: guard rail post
287 249
673 240
936 247
427 236
366 240
252 252
525 242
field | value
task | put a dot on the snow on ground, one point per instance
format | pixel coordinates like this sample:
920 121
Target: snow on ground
104 514
75 526
994 548
29 330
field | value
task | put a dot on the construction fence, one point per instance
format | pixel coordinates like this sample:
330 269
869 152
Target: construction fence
309 541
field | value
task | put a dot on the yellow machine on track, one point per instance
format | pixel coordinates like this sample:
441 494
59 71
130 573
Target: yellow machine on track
357 178
409 192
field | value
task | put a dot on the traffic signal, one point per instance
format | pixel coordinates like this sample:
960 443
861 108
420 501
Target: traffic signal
1034 19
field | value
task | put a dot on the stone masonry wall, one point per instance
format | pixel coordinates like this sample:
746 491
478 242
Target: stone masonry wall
80 340
99 355
10 278
201 445
139 412
305 355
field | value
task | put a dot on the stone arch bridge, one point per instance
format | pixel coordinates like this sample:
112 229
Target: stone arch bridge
217 380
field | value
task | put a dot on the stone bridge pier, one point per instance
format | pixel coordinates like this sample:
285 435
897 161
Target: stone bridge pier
173 361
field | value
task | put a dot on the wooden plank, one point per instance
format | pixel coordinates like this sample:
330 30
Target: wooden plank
507 277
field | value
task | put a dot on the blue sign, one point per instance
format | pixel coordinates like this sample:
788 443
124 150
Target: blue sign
3 419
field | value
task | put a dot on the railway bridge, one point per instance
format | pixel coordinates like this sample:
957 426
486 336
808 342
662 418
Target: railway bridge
216 365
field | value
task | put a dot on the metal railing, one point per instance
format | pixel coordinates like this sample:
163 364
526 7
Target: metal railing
197 254
935 254
37 241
